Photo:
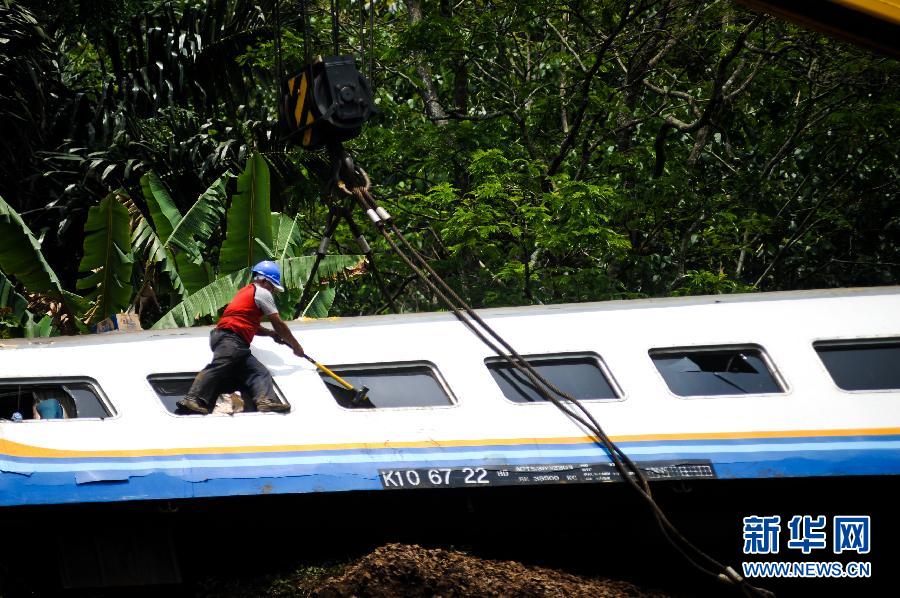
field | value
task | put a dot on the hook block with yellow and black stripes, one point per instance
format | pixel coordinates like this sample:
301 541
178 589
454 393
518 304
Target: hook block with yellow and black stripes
326 101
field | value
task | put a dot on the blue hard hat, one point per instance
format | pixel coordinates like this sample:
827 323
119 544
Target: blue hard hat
270 271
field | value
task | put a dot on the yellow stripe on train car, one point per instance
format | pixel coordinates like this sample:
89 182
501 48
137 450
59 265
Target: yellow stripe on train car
15 449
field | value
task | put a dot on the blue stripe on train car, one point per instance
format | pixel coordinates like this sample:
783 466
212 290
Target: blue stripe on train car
68 480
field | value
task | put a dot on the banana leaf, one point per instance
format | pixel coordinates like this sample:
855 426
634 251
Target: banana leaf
14 313
21 257
194 276
177 241
144 240
40 329
320 304
216 295
202 220
286 236
11 302
151 236
249 218
163 212
107 259
20 254
205 302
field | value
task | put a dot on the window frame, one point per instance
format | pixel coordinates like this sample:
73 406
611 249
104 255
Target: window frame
867 340
432 367
598 359
773 370
170 375
95 387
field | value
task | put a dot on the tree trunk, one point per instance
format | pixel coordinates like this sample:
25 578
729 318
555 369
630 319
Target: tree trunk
428 89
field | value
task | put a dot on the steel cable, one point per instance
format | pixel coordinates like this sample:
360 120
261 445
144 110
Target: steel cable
627 469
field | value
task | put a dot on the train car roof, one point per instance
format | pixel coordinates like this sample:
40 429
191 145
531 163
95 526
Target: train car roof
492 313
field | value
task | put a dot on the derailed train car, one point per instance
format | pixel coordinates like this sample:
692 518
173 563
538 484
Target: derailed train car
741 387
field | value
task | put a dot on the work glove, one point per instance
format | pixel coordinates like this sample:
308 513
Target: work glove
299 352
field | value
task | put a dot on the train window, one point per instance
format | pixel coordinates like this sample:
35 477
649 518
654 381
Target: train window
862 364
716 371
581 375
171 388
37 399
390 385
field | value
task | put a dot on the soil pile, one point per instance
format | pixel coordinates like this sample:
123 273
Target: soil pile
403 570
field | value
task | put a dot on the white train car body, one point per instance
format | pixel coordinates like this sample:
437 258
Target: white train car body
807 425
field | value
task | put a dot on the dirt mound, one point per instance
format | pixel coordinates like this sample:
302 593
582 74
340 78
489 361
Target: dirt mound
403 570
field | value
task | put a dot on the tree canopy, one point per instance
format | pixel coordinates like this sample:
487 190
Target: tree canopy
536 152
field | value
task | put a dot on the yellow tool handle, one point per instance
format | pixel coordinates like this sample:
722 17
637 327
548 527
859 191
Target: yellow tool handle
343 382
340 380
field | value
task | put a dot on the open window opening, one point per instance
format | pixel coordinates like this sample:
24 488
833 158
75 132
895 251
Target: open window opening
716 371
52 399
232 399
864 364
390 385
581 375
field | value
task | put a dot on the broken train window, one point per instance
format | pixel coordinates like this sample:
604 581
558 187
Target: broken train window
411 384
45 399
171 388
716 371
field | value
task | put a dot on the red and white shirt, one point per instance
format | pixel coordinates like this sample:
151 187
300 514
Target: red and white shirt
245 312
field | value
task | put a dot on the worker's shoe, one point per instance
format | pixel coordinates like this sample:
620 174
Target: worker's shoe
193 405
267 404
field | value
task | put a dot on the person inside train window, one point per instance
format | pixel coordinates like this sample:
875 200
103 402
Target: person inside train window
52 403
230 342
48 409
36 403
49 399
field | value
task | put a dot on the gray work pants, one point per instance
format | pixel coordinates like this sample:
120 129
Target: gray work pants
232 368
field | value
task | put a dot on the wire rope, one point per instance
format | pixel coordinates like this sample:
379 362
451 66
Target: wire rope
627 469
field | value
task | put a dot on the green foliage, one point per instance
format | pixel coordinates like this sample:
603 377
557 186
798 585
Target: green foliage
21 256
295 272
177 241
285 235
248 237
164 213
709 283
253 234
599 153
523 240
107 259
201 221
320 304
205 302
13 306
146 242
116 225
534 152
40 329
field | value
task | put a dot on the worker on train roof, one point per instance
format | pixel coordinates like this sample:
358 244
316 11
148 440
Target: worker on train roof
230 340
